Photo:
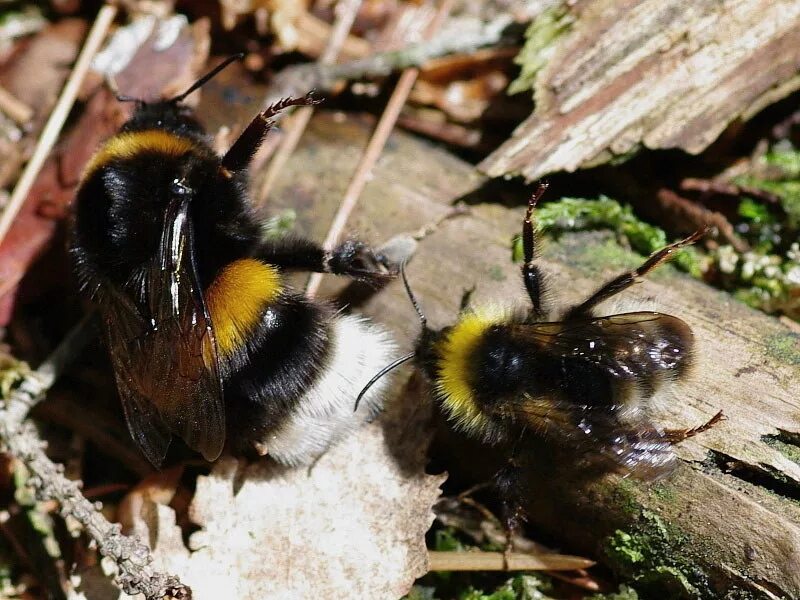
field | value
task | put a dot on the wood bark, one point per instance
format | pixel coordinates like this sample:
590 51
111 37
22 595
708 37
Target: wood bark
728 522
619 75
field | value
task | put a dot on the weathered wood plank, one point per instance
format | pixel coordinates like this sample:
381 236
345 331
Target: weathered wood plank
628 74
735 533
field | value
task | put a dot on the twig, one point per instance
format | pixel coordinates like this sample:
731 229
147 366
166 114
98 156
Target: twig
699 216
57 118
375 146
346 11
298 80
136 575
20 112
709 187
20 439
496 561
35 386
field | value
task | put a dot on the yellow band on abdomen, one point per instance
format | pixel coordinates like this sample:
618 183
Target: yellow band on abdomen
236 300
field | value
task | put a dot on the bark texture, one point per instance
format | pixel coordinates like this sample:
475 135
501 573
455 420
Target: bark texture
614 76
728 521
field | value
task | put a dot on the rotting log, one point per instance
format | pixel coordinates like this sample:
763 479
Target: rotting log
727 523
613 76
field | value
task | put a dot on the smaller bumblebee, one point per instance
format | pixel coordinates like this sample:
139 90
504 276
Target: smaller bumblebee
583 379
206 339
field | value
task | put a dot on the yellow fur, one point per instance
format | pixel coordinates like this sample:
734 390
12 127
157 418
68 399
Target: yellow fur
236 300
128 145
455 368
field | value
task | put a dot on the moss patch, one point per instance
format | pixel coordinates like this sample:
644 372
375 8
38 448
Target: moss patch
785 347
624 593
581 214
785 443
540 41
653 555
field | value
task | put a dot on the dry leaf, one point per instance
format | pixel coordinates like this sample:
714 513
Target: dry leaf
352 526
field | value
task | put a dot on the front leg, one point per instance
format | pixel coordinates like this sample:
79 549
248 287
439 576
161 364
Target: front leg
351 258
507 482
531 274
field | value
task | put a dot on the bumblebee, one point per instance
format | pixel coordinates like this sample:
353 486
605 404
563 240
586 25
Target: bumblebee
206 339
583 380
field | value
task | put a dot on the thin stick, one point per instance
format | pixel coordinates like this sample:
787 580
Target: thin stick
496 561
19 438
375 147
346 11
57 118
33 389
15 108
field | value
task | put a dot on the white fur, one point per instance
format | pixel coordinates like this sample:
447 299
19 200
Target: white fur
324 415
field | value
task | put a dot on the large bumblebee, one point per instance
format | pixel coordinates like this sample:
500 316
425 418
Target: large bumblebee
194 302
583 379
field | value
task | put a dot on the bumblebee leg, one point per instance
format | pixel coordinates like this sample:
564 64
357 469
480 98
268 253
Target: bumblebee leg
466 300
507 482
624 281
674 436
246 145
531 274
351 258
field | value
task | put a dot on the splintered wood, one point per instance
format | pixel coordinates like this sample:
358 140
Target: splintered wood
652 73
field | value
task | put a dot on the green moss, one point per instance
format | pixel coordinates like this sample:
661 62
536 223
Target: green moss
624 496
12 372
786 443
446 540
580 214
624 593
496 273
540 40
655 557
784 346
421 592
279 225
663 492
781 167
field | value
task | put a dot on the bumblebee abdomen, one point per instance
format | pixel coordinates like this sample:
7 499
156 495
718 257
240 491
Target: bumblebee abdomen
292 395
237 300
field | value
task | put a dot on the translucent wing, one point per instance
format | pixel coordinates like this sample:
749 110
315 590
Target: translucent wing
607 368
166 361
629 346
124 331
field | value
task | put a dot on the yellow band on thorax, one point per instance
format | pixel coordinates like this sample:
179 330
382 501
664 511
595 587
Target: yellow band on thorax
128 145
236 300
455 368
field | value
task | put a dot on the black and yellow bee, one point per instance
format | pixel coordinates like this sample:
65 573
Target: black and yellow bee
583 379
194 302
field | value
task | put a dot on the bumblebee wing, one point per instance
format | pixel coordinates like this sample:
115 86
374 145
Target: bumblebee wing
618 438
631 346
124 331
603 415
179 354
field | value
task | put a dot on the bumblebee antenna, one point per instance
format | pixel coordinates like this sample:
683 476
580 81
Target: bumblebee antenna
380 374
210 75
411 297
